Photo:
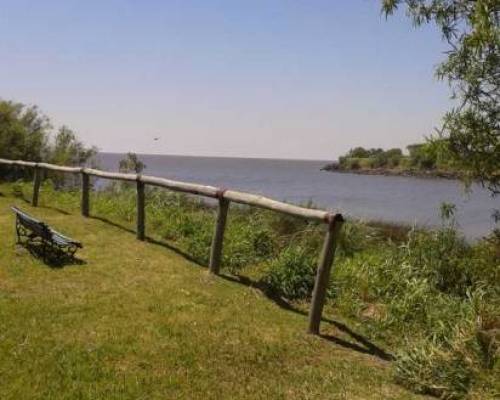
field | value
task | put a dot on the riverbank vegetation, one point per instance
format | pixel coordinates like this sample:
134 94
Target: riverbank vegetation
429 159
428 299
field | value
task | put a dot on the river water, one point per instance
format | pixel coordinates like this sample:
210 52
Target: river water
386 198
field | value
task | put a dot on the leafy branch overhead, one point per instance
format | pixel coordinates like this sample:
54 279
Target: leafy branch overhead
472 68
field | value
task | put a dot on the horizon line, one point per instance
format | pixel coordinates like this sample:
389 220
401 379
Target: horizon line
205 156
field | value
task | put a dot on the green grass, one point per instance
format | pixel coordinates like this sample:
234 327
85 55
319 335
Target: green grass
138 321
429 296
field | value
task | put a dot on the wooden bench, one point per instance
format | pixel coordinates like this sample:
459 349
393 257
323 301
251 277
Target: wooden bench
37 232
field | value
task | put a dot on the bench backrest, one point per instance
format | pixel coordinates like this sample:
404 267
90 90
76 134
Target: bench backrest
37 227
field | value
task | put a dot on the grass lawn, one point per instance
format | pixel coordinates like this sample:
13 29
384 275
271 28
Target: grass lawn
136 320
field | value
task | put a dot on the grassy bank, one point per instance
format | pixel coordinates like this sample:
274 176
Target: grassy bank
418 308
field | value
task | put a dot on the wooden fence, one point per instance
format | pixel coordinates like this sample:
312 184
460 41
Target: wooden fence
332 221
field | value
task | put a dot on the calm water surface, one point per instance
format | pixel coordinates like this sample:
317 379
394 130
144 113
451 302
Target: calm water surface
387 198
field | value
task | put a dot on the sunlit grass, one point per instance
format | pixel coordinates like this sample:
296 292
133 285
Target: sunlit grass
138 321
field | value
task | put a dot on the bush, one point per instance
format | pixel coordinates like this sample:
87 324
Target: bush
292 273
263 243
354 164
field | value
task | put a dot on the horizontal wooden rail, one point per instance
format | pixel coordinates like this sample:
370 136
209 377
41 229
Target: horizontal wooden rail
333 221
270 204
208 191
60 168
193 188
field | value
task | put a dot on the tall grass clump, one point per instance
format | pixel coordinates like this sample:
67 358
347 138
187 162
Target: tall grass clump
292 271
435 298
291 274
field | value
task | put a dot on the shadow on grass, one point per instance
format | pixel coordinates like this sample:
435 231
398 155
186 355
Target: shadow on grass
53 258
175 250
112 223
361 344
151 240
59 210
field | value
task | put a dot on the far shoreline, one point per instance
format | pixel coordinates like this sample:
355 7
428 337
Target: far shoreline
426 174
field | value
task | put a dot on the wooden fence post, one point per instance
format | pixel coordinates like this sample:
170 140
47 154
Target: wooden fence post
85 201
323 272
218 238
141 215
36 185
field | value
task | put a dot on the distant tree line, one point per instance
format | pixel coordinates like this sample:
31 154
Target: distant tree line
421 156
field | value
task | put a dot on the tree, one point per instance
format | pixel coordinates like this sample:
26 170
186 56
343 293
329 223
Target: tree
24 132
472 68
395 152
422 155
68 150
131 163
414 149
358 152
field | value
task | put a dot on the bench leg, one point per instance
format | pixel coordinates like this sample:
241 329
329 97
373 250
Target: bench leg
18 236
20 232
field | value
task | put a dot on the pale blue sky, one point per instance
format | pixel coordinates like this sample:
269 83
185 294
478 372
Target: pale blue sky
253 78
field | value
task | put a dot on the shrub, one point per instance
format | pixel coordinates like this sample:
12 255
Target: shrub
354 164
263 243
292 273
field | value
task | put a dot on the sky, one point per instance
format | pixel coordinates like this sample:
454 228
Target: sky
236 78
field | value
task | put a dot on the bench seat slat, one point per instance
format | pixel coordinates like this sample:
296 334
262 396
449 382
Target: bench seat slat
27 218
63 240
37 227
